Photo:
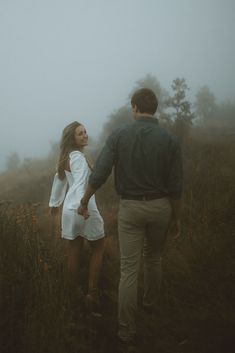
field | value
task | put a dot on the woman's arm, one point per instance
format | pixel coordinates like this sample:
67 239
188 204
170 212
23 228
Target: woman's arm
58 192
79 170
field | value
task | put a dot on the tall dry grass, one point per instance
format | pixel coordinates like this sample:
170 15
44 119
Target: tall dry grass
196 306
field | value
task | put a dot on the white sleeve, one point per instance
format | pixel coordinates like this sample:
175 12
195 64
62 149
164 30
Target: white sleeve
79 170
58 191
78 166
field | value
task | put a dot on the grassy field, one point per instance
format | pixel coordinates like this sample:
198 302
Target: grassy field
196 306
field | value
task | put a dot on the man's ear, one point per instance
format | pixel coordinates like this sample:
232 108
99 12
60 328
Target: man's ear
134 108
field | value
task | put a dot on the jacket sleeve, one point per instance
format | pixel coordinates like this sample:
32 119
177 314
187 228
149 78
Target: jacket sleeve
58 191
104 163
78 166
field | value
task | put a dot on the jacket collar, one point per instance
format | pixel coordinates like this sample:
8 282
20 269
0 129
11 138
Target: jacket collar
148 119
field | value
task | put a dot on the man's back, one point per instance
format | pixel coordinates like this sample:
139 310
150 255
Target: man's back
147 159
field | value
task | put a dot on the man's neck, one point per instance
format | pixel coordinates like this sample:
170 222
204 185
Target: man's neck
143 115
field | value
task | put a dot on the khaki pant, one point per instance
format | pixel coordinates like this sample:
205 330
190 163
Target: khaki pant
142 228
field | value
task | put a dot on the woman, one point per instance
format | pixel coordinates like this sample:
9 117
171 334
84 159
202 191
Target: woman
72 173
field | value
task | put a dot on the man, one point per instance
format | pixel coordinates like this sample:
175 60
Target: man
148 177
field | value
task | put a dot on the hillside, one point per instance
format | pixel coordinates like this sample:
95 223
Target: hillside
196 306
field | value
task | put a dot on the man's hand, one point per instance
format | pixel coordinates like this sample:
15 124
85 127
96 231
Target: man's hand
82 209
175 229
54 211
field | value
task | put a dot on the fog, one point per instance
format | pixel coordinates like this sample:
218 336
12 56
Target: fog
79 59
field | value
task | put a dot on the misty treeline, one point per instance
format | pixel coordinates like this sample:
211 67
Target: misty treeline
175 112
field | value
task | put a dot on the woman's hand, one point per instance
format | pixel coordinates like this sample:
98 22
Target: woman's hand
82 209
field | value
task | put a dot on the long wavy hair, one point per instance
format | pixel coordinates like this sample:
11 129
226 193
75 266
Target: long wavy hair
67 145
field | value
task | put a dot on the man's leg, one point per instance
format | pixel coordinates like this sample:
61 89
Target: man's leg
131 235
156 230
152 275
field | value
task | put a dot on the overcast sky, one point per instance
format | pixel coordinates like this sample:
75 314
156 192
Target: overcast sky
69 60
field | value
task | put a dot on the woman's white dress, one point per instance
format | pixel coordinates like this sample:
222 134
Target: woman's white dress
70 190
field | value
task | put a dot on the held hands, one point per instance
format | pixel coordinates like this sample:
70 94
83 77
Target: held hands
82 209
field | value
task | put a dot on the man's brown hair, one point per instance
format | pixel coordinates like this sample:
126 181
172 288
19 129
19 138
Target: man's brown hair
145 101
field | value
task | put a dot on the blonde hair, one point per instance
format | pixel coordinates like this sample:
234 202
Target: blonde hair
67 145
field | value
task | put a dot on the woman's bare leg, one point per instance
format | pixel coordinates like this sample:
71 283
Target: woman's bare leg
74 255
74 249
97 248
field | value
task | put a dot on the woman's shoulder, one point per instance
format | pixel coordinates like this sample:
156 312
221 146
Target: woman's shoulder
76 155
77 158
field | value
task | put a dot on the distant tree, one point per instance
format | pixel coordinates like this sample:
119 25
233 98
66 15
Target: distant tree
180 108
205 104
13 161
224 114
151 82
121 116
